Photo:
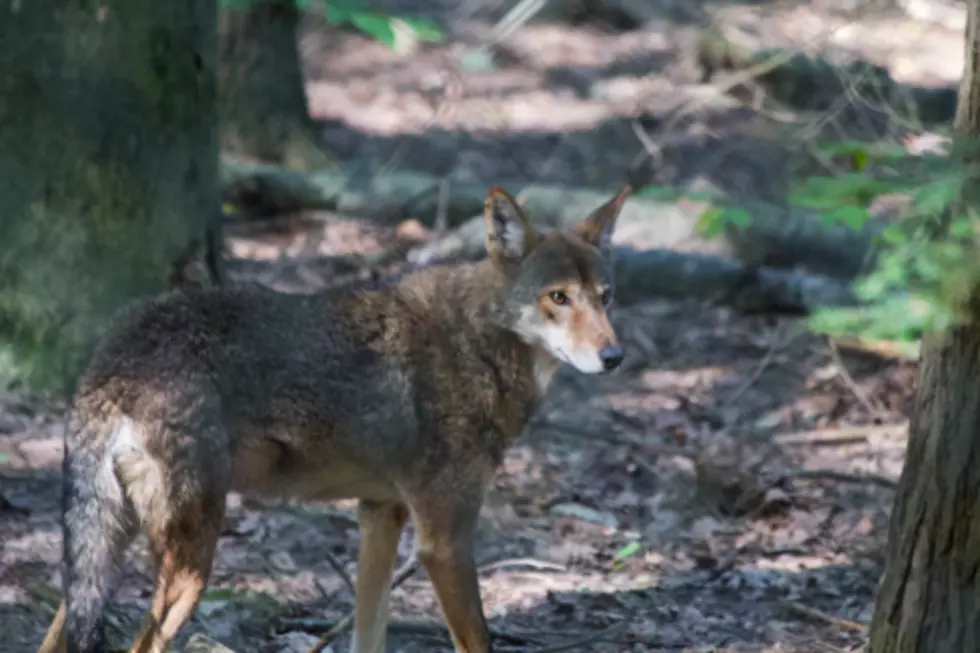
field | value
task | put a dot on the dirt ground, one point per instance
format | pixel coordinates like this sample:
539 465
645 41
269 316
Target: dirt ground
727 489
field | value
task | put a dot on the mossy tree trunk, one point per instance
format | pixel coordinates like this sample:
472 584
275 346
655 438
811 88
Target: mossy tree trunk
108 167
262 98
929 597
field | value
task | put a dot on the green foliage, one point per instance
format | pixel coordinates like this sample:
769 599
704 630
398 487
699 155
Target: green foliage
713 221
856 189
927 264
862 154
919 280
376 24
626 552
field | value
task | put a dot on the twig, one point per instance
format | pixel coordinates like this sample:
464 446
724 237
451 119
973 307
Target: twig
844 477
774 346
520 14
332 634
902 351
339 568
401 575
849 381
847 624
541 565
406 571
655 151
838 436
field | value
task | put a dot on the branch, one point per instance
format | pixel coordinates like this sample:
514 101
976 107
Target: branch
844 477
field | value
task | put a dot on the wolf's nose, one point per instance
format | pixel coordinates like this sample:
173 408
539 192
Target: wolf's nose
611 357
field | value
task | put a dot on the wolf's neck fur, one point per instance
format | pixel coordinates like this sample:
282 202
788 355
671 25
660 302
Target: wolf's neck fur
476 290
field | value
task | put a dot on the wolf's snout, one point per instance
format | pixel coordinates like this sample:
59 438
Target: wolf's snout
611 356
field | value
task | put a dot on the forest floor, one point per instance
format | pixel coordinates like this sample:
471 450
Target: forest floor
727 489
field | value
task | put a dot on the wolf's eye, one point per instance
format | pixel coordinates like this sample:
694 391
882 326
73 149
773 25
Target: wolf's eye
558 297
606 296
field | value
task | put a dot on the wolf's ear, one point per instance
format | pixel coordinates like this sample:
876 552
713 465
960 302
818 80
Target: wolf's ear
510 235
598 228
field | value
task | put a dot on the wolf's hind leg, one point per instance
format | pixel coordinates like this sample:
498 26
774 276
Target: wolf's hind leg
181 511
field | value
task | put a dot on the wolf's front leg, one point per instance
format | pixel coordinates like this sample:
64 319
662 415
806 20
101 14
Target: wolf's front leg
381 525
445 525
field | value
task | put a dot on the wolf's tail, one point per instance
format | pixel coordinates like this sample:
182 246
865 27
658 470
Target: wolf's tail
97 529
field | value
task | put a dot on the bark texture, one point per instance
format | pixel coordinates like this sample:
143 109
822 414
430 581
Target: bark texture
929 597
262 99
108 167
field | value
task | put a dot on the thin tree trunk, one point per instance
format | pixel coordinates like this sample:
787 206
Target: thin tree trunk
262 99
108 167
929 597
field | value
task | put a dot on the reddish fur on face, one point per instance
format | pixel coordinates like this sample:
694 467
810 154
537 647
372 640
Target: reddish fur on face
584 317
590 328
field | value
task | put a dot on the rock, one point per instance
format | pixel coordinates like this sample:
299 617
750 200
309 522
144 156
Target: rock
297 642
201 643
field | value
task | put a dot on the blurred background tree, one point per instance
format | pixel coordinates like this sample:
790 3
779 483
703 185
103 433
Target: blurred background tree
108 168
262 97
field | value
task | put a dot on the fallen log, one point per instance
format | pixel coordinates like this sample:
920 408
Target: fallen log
815 84
777 236
644 274
262 190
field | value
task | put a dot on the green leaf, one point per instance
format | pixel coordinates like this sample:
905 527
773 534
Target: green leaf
338 12
335 15
961 228
851 216
627 551
858 149
841 148
934 198
826 193
4 459
894 234
710 222
424 29
714 220
738 217
928 267
376 25
861 160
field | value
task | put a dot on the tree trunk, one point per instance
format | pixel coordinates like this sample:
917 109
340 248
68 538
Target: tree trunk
262 99
929 597
108 167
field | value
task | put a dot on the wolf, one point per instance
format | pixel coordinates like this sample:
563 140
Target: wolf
404 397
